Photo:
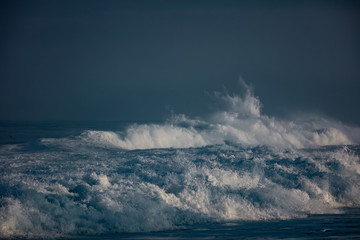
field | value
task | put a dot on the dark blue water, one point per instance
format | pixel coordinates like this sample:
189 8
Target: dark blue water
13 132
318 226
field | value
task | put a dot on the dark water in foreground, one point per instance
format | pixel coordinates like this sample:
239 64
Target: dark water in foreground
180 180
316 226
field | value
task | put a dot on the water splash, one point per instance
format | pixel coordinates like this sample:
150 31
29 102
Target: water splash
241 122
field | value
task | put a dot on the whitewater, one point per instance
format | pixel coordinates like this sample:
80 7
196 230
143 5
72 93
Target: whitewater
236 165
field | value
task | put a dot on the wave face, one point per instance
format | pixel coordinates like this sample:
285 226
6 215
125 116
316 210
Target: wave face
236 165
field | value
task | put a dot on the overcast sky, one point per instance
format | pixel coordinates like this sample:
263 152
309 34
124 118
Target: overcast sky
138 60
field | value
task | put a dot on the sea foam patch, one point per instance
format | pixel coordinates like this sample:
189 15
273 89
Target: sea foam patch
104 190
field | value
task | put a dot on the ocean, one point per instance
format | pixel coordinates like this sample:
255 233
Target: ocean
236 174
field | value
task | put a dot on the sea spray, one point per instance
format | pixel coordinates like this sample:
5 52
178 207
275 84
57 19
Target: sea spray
241 122
235 165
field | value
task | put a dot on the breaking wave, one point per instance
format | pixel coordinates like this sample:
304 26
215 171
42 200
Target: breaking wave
237 164
241 123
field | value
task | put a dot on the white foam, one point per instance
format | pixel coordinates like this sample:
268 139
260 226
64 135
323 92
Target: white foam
226 178
154 190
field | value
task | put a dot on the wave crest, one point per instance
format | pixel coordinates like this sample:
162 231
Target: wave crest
148 136
241 122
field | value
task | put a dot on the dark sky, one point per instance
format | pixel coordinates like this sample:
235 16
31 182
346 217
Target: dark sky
137 60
